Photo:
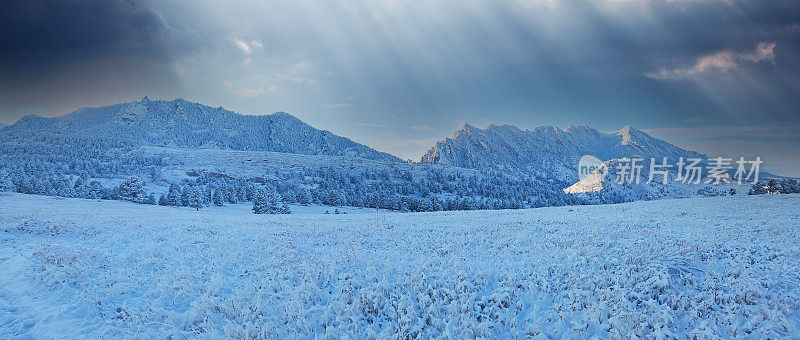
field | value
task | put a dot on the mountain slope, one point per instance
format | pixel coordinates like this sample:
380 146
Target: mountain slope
183 124
545 150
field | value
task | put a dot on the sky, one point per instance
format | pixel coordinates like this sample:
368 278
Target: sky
718 76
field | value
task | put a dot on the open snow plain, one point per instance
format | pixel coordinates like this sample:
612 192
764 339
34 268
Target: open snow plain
701 267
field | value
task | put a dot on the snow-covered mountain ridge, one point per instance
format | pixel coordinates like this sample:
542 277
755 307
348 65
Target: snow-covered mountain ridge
183 124
92 151
545 150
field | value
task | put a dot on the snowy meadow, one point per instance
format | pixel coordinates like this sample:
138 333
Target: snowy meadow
717 267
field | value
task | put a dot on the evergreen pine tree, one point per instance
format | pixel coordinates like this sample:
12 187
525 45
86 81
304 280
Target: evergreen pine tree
5 181
268 201
79 187
304 196
757 189
186 196
217 198
195 198
95 190
174 195
261 202
132 190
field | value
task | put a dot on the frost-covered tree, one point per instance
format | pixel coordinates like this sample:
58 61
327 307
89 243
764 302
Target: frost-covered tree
173 195
262 203
132 189
5 181
427 204
757 189
268 201
217 198
334 198
79 187
304 196
708 191
186 194
96 190
790 186
194 198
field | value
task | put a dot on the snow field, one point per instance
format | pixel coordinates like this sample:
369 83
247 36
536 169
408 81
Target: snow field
717 267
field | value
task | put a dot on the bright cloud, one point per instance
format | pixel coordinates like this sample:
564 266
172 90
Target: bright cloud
246 47
764 52
722 62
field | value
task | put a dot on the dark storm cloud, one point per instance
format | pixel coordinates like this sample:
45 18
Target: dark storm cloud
60 54
62 30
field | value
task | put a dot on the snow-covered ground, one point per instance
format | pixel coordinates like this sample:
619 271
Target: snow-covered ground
700 267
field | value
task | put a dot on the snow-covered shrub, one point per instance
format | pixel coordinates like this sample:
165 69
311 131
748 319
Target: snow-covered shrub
132 189
268 201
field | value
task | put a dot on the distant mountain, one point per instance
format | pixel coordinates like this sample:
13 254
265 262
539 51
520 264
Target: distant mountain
182 124
545 151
